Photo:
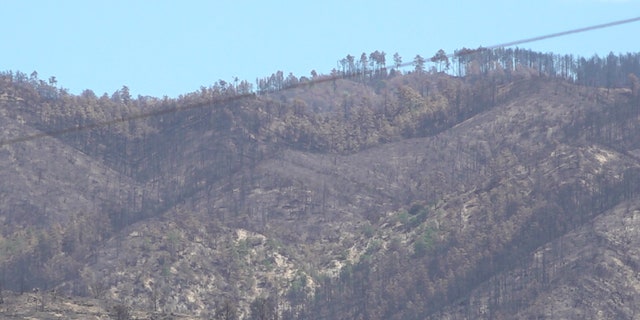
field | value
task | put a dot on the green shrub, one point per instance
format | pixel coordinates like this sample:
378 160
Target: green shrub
424 243
403 217
368 230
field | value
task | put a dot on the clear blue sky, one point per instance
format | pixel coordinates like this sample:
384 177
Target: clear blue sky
173 47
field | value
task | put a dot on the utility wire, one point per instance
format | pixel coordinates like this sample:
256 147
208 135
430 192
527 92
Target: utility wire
54 133
564 33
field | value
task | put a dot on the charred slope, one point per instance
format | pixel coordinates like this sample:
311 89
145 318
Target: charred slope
511 180
244 202
57 205
212 135
404 230
589 273
154 164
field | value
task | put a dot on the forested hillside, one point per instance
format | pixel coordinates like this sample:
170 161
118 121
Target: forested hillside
474 185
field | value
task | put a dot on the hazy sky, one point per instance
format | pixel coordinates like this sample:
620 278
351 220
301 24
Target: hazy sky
172 47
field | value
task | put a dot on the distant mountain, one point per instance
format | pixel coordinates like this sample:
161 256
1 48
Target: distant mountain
504 188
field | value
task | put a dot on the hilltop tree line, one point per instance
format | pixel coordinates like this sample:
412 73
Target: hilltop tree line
610 71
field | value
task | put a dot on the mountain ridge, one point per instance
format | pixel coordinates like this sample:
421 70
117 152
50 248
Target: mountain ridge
404 201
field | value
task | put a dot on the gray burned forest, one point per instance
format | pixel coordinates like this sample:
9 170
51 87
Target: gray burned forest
495 184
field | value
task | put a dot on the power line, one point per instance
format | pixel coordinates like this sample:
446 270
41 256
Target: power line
564 33
54 133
